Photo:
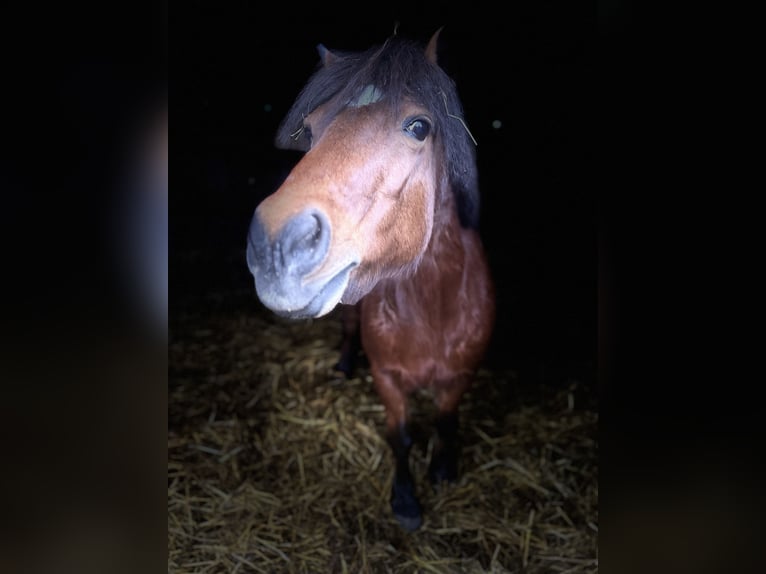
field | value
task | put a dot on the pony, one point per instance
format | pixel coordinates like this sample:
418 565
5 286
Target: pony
381 212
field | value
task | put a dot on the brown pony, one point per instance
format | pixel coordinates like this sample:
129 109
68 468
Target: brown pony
382 210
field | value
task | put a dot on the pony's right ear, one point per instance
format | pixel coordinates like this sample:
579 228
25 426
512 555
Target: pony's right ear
326 56
432 48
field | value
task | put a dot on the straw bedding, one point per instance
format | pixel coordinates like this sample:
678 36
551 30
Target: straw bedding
276 463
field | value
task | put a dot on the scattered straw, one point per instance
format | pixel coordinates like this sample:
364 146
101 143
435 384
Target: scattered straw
276 463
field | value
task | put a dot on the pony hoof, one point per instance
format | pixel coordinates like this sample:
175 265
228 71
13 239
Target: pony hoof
442 472
409 523
344 368
441 476
406 509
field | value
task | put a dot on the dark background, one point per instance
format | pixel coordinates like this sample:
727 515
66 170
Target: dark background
530 66
86 435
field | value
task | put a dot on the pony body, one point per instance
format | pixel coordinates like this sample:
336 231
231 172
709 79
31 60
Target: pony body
382 211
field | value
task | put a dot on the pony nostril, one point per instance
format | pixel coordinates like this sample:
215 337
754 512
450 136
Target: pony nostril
309 241
258 245
304 241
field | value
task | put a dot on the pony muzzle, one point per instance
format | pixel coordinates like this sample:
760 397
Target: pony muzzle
289 269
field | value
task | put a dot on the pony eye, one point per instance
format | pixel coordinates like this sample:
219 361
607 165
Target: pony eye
419 128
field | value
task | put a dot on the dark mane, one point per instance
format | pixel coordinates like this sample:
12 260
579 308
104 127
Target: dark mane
401 71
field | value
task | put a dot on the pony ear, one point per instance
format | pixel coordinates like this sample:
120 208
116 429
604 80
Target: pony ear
431 55
326 56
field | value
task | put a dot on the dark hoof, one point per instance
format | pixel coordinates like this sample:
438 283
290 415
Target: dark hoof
442 469
409 523
344 367
406 508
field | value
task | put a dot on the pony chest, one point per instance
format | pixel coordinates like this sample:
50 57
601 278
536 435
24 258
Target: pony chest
420 330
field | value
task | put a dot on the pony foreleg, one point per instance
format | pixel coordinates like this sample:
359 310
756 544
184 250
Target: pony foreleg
444 462
350 343
404 502
443 465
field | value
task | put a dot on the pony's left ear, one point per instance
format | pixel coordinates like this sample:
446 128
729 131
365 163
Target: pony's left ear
326 56
431 54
